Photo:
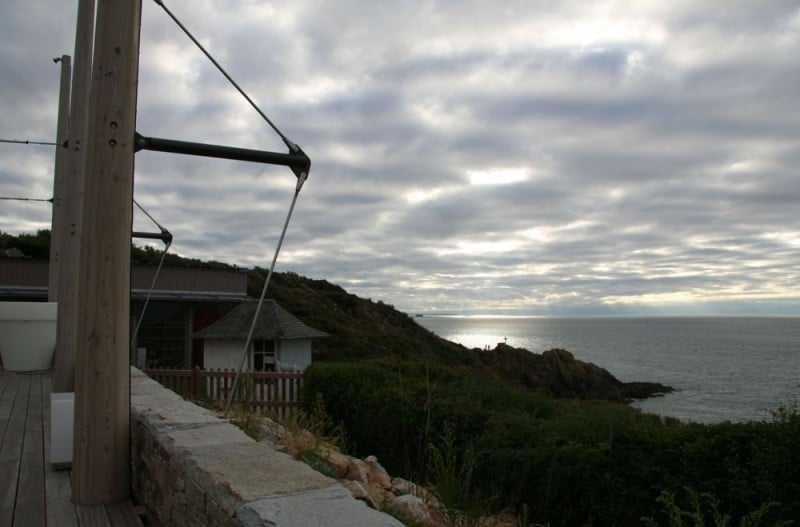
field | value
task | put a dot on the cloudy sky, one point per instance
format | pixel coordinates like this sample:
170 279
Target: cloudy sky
468 157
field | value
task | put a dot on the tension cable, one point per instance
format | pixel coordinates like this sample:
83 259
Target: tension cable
296 159
285 139
245 352
26 142
165 237
9 198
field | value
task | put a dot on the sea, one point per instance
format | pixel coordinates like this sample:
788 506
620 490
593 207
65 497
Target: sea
735 369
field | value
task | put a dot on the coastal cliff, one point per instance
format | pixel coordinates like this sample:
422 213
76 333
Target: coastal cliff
558 373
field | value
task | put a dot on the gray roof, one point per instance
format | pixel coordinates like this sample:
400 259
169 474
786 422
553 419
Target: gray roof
190 296
274 322
36 292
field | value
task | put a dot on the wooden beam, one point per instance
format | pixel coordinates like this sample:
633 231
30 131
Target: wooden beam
59 177
101 467
71 202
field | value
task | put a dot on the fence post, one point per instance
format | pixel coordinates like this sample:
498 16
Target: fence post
194 383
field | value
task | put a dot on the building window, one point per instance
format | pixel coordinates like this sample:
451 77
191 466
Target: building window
165 341
264 355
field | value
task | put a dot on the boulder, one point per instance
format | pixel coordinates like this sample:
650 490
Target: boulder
357 470
413 510
401 487
372 496
376 474
338 462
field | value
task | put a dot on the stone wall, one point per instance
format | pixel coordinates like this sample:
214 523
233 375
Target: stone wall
192 468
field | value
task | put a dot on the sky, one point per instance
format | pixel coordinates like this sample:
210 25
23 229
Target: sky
517 157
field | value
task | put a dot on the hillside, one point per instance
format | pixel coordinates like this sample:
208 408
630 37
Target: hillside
364 329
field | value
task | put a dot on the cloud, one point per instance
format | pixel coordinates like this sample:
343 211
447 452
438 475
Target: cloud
535 158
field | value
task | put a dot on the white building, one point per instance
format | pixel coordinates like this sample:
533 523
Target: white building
280 341
185 300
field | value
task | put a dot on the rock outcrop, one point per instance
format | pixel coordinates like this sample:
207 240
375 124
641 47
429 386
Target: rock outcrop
366 478
558 373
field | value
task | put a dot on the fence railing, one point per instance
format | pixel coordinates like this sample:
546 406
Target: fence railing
274 391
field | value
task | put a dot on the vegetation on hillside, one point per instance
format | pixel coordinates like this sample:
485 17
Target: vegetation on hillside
35 246
358 327
149 255
564 461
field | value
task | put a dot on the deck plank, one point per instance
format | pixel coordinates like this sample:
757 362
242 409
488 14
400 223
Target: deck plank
5 378
58 491
7 397
30 505
11 451
92 516
123 515
32 492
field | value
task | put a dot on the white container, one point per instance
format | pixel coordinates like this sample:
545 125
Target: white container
27 335
62 417
141 358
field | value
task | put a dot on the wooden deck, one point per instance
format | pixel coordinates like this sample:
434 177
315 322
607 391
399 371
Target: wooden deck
32 493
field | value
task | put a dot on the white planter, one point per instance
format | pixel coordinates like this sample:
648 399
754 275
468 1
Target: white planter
27 335
62 417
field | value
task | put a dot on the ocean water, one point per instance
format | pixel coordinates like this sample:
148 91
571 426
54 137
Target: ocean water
723 368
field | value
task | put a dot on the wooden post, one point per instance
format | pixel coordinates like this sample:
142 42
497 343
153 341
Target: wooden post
101 469
195 382
59 178
71 203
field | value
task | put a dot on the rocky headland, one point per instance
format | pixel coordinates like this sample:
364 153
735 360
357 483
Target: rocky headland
559 374
362 329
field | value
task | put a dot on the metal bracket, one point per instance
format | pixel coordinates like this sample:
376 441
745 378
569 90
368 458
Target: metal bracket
165 236
297 160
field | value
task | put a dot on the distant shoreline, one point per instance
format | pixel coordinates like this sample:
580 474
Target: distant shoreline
485 316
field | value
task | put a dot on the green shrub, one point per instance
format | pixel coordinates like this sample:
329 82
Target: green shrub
704 511
570 462
451 477
381 414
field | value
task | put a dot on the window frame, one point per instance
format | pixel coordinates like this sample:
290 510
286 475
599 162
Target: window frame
265 350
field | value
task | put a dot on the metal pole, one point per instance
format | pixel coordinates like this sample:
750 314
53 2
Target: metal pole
72 202
298 161
59 178
165 236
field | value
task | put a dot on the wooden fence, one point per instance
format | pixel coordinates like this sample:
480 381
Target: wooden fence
277 392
